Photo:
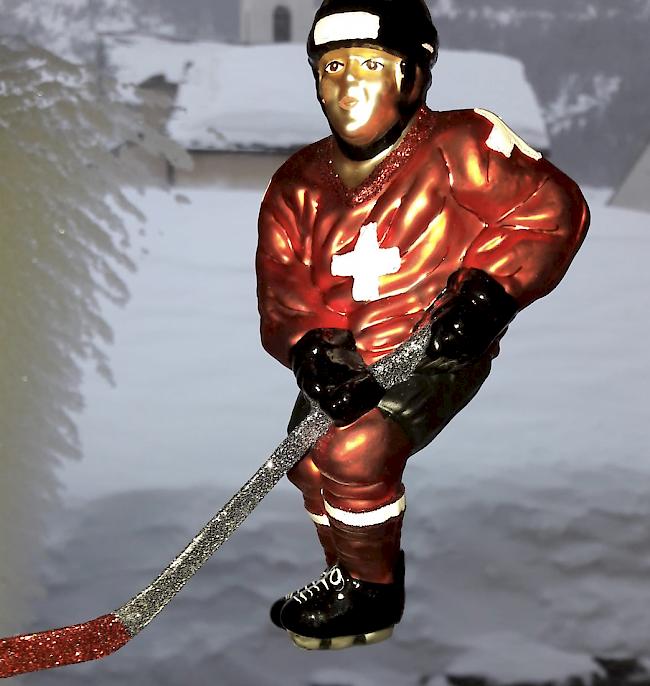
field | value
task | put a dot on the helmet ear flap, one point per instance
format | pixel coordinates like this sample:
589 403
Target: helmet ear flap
415 75
409 73
316 74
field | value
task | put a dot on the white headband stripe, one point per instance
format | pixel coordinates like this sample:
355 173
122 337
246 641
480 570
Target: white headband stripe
361 519
346 26
323 520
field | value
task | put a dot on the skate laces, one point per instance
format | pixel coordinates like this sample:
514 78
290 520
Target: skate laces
331 579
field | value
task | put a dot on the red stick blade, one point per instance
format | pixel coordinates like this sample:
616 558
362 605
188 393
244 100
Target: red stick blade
67 646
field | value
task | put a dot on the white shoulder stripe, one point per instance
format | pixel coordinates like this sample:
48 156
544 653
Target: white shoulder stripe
346 26
503 139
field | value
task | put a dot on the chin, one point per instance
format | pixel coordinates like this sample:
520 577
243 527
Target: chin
355 135
358 141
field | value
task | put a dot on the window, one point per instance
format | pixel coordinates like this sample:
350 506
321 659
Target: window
281 24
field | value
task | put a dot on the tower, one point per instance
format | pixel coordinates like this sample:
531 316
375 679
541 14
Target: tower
275 21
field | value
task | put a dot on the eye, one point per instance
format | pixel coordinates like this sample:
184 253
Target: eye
333 67
373 65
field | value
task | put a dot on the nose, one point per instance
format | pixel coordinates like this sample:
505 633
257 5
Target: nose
352 72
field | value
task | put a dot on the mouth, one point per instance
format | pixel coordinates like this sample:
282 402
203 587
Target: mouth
348 102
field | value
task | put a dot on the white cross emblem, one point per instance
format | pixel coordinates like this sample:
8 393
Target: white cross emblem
366 264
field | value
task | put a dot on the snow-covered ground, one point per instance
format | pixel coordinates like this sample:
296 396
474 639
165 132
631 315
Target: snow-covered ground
527 535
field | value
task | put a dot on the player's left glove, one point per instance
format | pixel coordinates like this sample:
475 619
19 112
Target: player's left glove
473 311
330 371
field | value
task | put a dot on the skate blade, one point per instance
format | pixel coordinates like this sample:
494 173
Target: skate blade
340 642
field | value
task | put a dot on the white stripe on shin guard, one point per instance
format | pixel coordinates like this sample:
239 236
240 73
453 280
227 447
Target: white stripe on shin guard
323 520
371 518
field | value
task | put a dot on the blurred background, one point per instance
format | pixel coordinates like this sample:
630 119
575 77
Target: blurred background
136 141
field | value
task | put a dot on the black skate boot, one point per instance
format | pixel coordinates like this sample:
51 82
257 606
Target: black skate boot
276 609
338 611
325 538
277 606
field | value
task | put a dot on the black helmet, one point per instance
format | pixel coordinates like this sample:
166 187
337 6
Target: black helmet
403 27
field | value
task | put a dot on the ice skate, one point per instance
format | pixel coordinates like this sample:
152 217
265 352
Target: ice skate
338 611
277 606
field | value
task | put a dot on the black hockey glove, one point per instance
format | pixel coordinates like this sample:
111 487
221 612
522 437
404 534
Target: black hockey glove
474 310
330 371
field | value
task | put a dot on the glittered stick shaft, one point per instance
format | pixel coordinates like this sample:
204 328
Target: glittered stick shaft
139 611
104 635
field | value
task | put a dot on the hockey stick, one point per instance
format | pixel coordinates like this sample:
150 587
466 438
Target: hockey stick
106 634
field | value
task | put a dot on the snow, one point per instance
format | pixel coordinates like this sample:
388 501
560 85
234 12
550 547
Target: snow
508 658
526 532
469 79
133 60
69 28
193 320
275 106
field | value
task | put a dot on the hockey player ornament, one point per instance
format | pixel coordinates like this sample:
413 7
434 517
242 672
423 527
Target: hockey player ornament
392 257
403 218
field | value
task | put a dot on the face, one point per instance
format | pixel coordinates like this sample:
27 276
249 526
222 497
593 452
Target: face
360 91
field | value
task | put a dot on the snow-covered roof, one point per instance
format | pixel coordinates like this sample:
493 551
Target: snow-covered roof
134 58
236 97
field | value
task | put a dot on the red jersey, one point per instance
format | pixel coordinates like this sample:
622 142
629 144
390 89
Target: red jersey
461 190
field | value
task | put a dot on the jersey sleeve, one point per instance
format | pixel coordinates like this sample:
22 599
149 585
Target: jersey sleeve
534 216
289 302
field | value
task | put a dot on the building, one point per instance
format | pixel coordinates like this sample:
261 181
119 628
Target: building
275 21
634 192
240 110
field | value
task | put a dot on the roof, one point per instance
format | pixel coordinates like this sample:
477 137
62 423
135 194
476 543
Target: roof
633 192
236 97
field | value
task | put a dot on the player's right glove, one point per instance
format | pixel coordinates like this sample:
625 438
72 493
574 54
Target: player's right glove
330 371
